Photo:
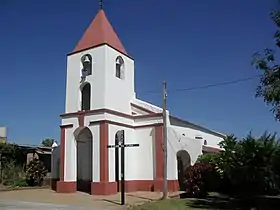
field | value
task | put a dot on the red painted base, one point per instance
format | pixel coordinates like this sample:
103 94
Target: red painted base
66 187
103 188
110 188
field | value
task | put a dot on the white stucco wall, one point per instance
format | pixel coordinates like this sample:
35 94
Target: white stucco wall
70 169
191 131
96 80
139 161
130 153
145 160
118 92
107 91
181 136
95 130
175 143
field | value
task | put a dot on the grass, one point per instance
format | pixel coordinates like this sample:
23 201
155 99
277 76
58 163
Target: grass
211 203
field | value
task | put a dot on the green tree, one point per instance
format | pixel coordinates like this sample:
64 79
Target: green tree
211 158
269 87
47 142
249 167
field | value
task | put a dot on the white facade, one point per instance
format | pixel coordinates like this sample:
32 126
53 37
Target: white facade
3 132
86 132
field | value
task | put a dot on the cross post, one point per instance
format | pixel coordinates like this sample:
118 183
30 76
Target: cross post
122 145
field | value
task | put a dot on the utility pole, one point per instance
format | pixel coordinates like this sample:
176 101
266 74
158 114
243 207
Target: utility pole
164 142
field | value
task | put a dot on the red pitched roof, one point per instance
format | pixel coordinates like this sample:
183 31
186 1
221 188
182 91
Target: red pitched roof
99 32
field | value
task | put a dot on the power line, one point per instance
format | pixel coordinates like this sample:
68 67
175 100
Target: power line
207 86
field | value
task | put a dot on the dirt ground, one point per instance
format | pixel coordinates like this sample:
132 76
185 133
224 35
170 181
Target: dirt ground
79 199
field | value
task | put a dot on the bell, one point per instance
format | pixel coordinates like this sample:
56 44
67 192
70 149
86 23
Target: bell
86 60
86 63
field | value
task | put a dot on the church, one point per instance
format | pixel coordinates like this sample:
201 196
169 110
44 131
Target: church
98 69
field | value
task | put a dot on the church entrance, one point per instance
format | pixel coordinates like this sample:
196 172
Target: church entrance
84 142
183 162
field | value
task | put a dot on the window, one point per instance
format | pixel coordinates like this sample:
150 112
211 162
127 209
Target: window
86 95
119 68
86 61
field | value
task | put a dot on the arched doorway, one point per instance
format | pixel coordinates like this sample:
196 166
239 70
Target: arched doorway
183 162
84 140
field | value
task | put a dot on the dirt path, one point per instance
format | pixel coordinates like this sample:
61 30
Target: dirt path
41 196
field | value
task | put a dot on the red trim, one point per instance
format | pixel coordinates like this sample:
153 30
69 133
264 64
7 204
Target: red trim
104 168
62 153
124 125
66 187
66 126
109 111
141 108
109 188
81 119
159 151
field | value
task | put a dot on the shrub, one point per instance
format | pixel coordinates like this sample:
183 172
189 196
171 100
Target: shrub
11 173
211 158
249 167
35 172
199 179
19 183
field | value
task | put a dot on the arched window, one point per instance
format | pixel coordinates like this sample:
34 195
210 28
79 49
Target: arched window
86 95
86 61
119 68
205 142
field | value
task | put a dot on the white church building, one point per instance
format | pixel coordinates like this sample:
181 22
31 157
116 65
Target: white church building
98 69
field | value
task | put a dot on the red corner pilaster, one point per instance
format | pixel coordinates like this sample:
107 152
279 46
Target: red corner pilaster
104 176
158 182
62 153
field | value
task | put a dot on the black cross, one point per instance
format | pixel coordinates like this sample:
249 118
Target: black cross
122 145
101 4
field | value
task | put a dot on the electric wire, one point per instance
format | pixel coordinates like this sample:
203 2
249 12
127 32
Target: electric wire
206 86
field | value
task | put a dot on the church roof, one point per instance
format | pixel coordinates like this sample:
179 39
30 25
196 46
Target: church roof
100 31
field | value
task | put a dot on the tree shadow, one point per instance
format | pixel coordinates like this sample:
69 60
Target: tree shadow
217 202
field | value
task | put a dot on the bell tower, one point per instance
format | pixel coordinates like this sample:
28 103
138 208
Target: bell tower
100 73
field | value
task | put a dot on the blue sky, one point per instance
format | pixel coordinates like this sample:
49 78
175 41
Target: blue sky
188 43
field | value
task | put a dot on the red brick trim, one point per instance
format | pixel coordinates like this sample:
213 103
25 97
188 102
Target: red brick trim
159 152
110 188
124 125
62 153
109 111
103 188
141 108
81 119
66 187
66 126
104 164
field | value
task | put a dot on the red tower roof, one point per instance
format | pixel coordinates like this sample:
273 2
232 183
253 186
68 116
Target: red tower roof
99 32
